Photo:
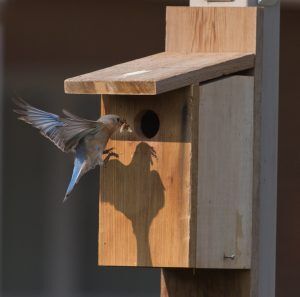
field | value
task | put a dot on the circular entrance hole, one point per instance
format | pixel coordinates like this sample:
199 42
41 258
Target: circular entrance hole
147 123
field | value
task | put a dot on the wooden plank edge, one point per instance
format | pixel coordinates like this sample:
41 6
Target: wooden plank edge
110 88
157 87
207 73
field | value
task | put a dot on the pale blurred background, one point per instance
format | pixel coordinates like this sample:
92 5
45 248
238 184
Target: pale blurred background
49 248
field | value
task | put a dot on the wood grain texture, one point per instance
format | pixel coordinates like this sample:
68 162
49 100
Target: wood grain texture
159 73
265 30
254 273
265 154
210 29
225 170
149 211
186 35
220 3
204 282
145 202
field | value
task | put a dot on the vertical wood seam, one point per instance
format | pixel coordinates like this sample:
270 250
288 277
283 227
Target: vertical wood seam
195 97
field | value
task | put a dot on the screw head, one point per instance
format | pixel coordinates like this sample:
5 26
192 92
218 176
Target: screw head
231 257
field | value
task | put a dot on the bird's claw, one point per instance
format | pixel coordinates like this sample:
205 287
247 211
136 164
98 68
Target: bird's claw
110 154
153 152
113 154
105 152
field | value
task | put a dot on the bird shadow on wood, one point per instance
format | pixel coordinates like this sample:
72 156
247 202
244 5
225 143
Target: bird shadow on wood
137 192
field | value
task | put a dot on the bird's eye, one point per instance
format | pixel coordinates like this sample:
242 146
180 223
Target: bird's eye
118 120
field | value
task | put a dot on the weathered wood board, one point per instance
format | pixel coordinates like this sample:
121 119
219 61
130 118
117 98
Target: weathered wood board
225 171
179 209
223 3
159 73
211 29
146 195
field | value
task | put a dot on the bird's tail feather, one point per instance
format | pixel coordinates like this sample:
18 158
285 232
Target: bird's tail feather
78 171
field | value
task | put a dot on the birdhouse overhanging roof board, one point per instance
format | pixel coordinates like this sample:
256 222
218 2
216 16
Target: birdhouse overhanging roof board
159 73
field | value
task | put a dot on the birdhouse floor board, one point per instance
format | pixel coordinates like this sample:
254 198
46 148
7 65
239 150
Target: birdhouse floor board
159 73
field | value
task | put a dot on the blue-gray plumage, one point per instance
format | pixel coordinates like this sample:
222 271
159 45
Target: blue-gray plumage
85 138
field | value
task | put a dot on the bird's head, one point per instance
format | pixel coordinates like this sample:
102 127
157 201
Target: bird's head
115 122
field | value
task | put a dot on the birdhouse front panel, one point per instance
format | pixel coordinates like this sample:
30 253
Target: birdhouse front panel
146 193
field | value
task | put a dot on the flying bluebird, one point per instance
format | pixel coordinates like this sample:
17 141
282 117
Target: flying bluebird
85 138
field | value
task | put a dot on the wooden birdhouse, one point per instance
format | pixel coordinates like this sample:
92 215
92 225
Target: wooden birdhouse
185 190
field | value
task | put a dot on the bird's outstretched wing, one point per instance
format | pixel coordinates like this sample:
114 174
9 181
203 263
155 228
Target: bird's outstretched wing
65 133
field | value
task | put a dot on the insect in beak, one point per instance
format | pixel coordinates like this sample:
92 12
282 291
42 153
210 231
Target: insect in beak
125 127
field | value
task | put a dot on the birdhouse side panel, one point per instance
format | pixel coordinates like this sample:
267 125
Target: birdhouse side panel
225 179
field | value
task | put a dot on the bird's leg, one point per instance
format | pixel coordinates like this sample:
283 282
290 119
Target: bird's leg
105 152
109 155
